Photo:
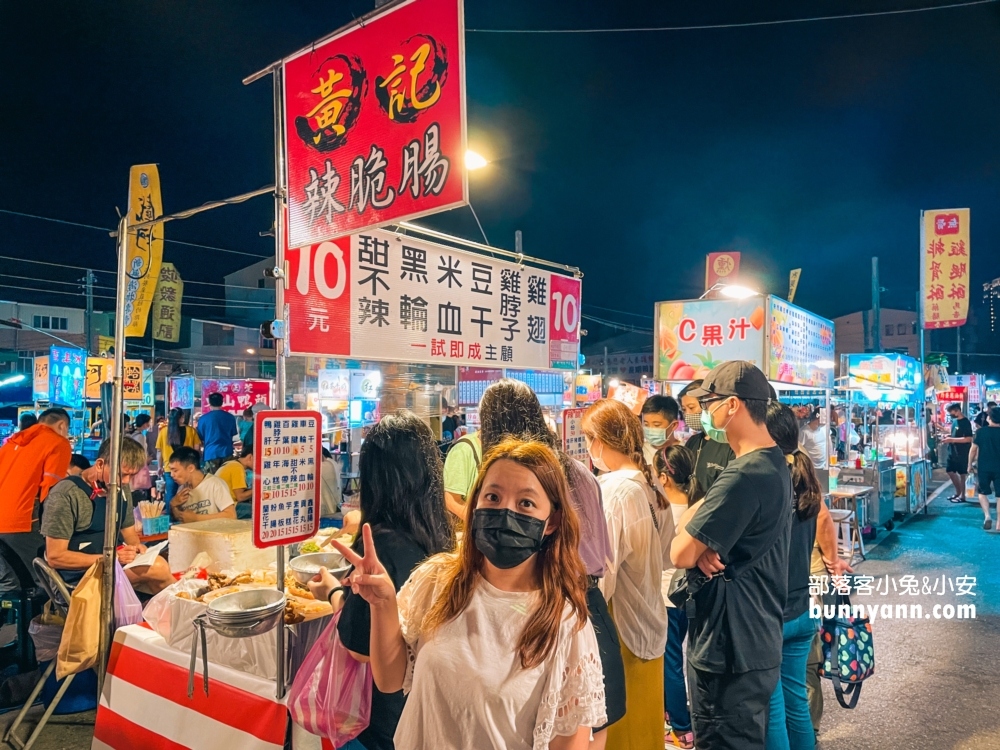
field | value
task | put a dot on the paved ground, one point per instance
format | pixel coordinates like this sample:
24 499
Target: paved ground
937 682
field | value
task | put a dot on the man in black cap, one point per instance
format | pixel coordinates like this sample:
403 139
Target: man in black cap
738 536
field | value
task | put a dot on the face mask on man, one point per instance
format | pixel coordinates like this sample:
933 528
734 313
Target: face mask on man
718 434
506 538
655 436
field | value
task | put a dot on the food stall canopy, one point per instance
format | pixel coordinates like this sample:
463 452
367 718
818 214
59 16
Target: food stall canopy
791 345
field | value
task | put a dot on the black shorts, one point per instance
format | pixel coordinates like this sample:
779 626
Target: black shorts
957 465
989 482
611 656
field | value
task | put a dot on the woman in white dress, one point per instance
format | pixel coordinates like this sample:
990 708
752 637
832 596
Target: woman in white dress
492 643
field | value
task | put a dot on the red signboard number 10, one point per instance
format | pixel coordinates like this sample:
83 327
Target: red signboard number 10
314 267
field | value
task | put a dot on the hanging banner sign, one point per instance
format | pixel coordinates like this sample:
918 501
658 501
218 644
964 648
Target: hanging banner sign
388 297
145 247
793 283
40 386
286 488
167 305
237 395
944 267
105 345
67 376
574 444
375 122
721 268
800 346
102 370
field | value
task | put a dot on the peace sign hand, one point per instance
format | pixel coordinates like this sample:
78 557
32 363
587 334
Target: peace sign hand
369 579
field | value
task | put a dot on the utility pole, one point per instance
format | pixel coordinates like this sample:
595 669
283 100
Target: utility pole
958 349
876 309
88 280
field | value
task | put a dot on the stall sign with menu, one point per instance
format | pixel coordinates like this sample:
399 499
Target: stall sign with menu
539 382
334 384
237 395
800 346
40 384
381 296
473 382
956 394
573 443
973 383
180 393
694 337
67 376
102 370
375 122
286 491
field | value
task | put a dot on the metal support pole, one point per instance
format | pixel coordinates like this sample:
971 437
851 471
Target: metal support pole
281 350
876 309
88 323
958 350
114 483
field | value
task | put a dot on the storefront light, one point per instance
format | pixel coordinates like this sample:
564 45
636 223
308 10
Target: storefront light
736 291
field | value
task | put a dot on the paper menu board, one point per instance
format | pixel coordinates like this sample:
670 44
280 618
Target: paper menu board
287 459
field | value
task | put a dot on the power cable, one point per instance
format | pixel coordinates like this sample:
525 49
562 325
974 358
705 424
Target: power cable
743 25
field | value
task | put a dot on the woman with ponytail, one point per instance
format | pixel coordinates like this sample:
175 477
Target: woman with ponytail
675 468
790 726
640 526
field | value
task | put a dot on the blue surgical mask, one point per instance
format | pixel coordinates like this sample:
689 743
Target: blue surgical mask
718 434
655 436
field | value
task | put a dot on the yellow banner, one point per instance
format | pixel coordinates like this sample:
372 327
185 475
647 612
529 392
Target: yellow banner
167 305
105 345
793 283
101 370
944 270
145 247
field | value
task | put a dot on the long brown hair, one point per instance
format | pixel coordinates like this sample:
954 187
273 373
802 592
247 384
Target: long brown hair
563 576
617 427
783 426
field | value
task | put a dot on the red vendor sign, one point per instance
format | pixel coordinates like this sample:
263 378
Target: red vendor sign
375 122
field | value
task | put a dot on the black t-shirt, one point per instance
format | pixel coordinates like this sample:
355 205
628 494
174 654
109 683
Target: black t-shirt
747 514
711 458
400 554
988 440
800 548
450 424
960 428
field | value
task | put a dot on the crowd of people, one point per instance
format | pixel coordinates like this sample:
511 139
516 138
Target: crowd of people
511 597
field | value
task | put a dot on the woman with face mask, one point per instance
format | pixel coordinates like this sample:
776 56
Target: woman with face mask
641 527
674 467
492 643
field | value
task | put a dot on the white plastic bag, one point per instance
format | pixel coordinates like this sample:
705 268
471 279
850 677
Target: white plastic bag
157 611
46 639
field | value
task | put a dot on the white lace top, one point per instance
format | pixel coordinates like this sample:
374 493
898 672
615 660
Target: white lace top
464 681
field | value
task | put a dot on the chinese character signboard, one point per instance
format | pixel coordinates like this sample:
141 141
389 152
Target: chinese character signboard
973 385
628 365
167 305
885 370
944 267
145 246
721 268
573 442
237 395
385 296
954 394
286 488
67 376
148 388
473 382
800 346
102 370
40 386
335 384
180 393
694 337
550 383
375 123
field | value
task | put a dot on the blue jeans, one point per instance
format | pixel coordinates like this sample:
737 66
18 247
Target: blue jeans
790 726
170 489
675 700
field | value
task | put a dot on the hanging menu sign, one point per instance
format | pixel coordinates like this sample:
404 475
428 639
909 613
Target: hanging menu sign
286 492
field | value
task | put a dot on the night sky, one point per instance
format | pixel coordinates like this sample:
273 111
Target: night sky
630 155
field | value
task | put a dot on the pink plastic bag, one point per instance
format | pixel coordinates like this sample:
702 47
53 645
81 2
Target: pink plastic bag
128 608
332 694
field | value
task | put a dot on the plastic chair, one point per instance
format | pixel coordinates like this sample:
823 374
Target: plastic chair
59 594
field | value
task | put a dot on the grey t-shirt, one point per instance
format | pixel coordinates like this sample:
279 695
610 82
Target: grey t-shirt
68 509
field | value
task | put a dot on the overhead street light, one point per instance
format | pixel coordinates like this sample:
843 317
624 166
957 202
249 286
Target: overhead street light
733 291
11 380
474 160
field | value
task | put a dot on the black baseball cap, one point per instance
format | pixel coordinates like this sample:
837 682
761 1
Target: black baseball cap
736 378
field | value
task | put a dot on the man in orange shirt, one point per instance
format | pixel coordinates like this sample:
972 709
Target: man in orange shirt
31 463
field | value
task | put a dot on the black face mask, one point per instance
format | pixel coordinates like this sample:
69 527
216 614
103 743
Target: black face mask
506 538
